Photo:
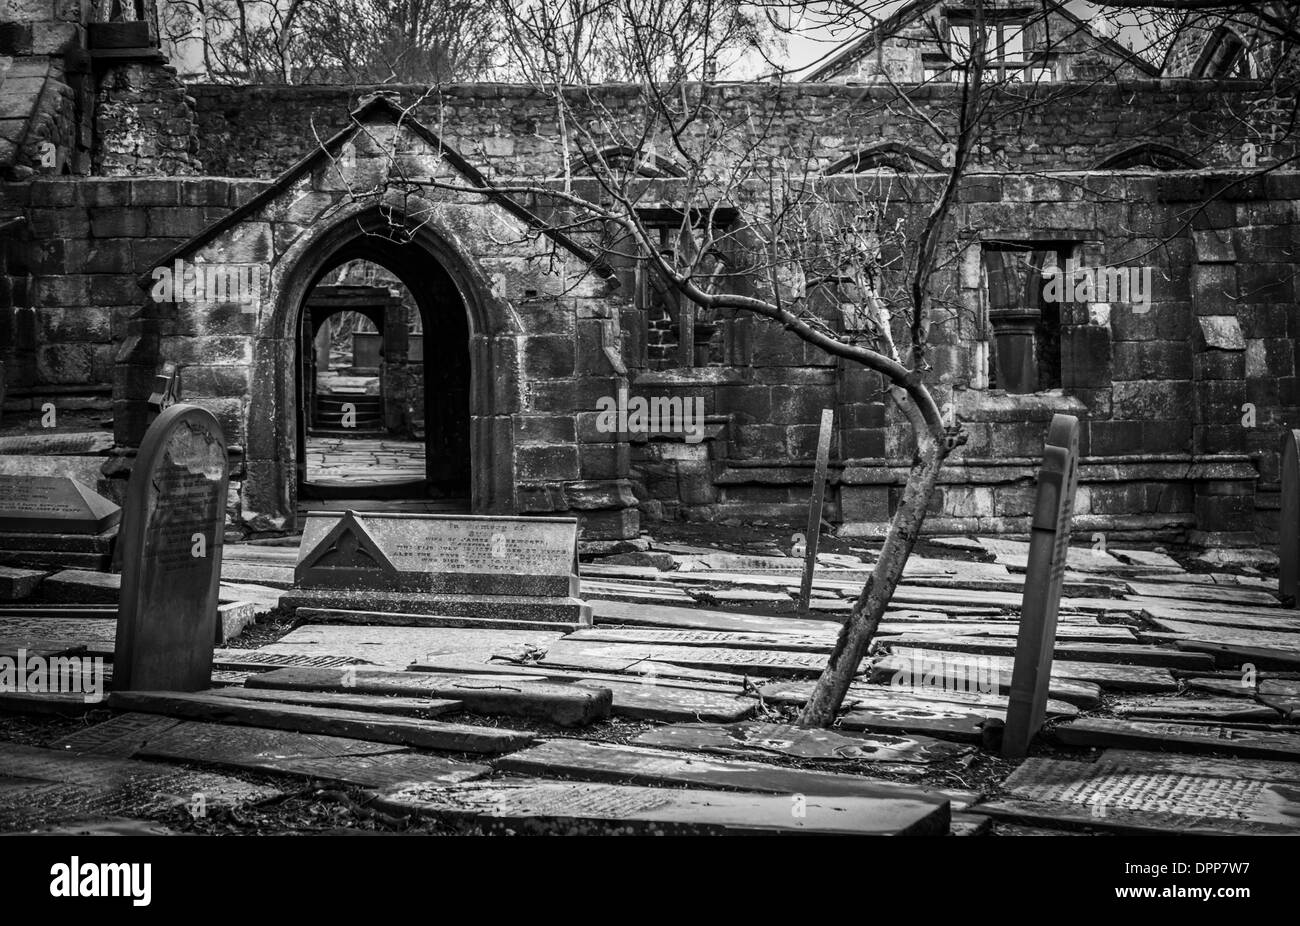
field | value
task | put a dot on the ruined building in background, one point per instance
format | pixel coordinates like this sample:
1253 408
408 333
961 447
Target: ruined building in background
1178 355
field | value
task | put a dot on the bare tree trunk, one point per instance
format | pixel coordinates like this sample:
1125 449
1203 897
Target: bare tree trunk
864 619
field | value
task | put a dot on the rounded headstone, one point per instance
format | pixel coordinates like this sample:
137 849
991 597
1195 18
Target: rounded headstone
173 523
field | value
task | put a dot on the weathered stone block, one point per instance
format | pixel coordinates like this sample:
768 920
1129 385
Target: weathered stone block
864 503
118 222
65 363
537 463
1152 400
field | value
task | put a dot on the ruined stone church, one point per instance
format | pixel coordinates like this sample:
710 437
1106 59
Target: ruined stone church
496 345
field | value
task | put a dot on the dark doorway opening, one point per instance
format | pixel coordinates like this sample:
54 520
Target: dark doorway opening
383 367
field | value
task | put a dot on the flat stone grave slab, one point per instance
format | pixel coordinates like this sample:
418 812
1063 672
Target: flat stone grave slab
53 504
779 602
121 735
521 568
1015 554
821 642
334 700
646 698
863 695
1178 737
1285 621
398 647
503 607
750 738
1066 634
258 574
657 700
419 733
1141 603
585 760
929 718
766 661
1227 687
73 786
1137 792
1237 654
1282 695
256 660
1236 636
1063 650
1147 558
337 759
566 705
1197 592
943 672
609 591
576 807
93 636
398 619
1226 710
62 704
618 613
1110 677
935 596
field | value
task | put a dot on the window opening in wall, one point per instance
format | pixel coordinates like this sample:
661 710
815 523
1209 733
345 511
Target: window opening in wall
1024 327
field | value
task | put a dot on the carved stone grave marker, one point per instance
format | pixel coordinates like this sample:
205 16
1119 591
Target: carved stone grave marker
172 529
1049 545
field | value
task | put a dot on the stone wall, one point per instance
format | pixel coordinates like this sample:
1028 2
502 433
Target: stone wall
510 130
45 88
1180 403
84 244
144 123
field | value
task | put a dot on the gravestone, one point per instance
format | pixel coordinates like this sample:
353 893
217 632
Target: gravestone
470 566
815 507
53 519
1288 523
53 505
1048 547
172 528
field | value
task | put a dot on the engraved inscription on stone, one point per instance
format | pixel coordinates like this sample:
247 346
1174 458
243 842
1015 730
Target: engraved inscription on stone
1053 780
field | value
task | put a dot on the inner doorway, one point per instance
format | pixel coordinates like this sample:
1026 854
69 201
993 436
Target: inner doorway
379 427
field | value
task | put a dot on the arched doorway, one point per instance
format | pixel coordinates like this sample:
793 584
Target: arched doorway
470 387
378 420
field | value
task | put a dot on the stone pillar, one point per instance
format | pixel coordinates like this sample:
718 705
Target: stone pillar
1017 357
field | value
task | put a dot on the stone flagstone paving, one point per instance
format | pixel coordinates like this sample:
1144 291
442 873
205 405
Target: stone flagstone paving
1161 718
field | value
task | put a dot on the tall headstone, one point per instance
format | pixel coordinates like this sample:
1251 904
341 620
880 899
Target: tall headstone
1288 524
815 507
1049 546
173 524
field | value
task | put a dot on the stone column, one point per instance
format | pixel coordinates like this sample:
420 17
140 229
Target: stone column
1017 358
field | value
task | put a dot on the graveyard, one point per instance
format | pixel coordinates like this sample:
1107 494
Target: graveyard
428 673
630 429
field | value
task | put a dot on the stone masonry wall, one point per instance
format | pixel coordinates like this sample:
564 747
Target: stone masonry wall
511 130
1180 405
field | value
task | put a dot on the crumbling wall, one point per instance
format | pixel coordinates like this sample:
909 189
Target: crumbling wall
144 123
